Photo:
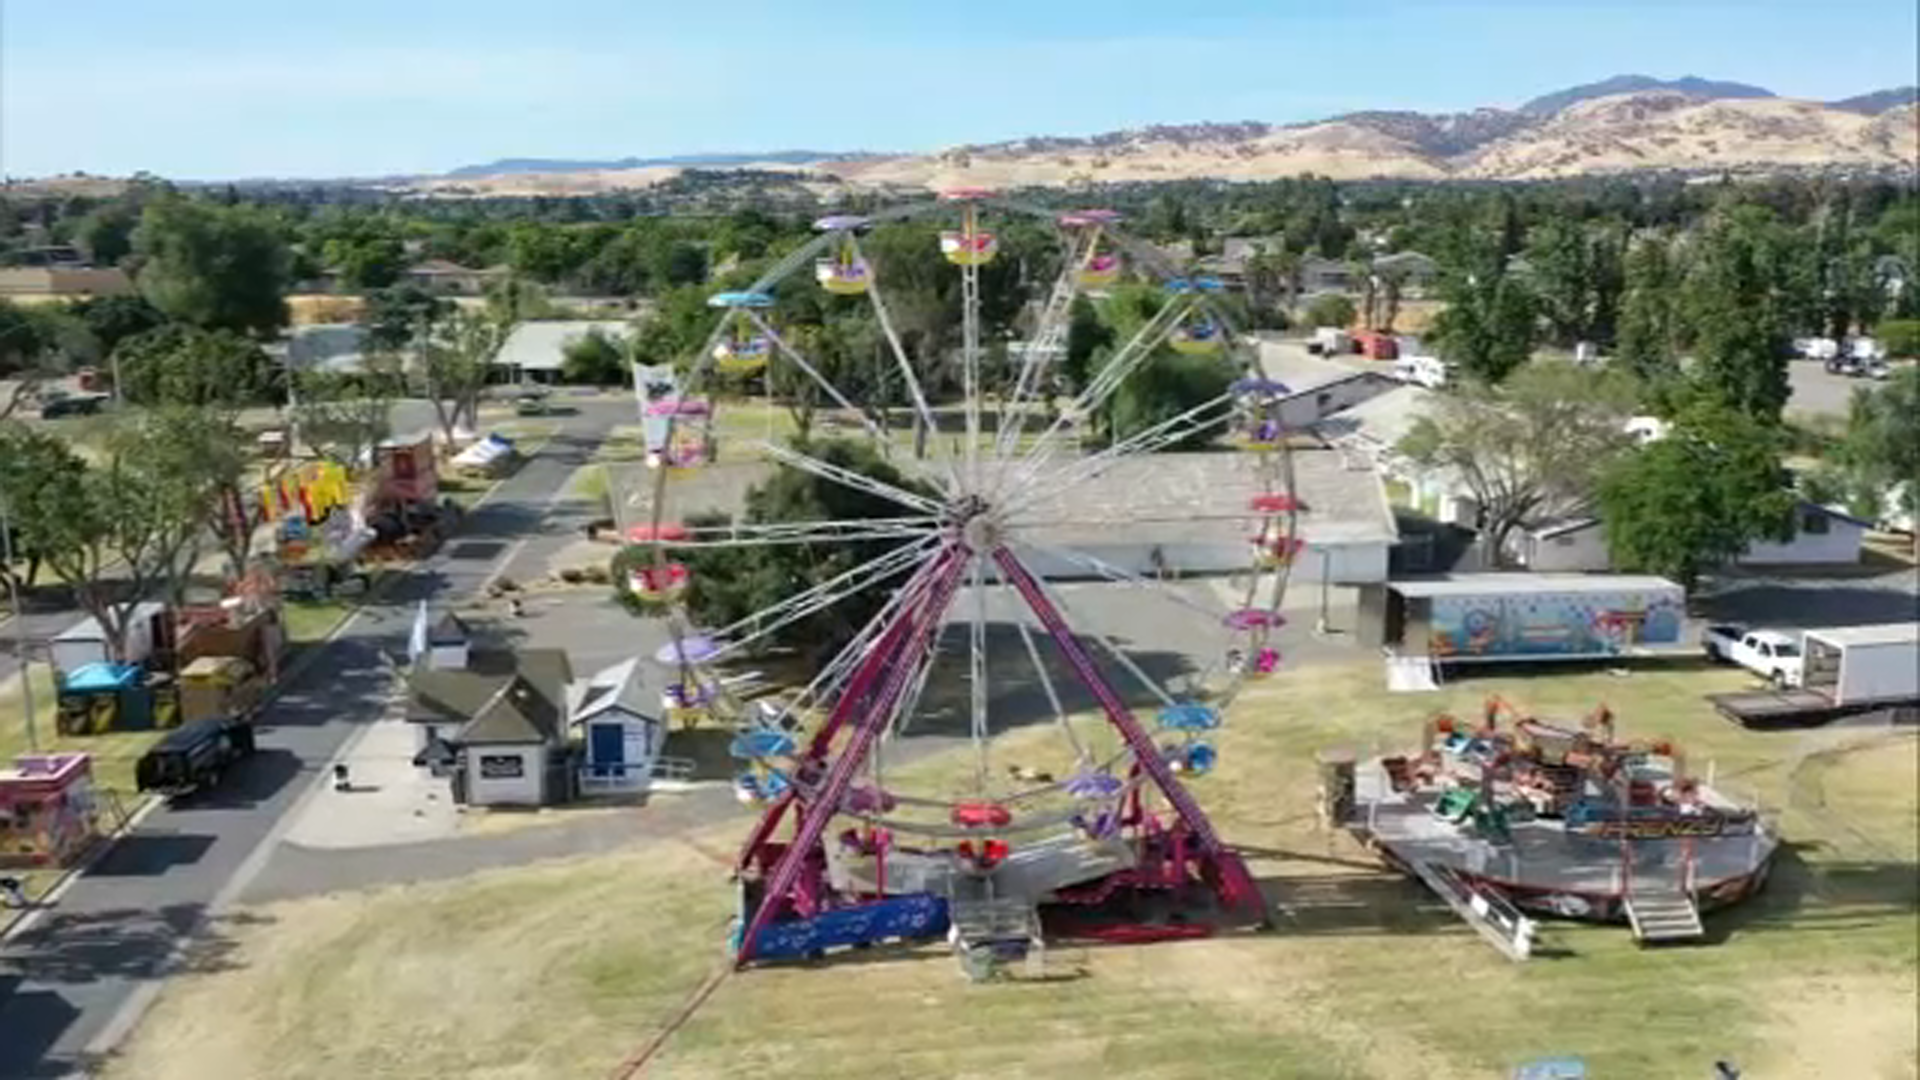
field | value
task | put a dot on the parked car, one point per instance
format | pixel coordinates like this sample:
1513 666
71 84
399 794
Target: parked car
53 407
193 756
1774 654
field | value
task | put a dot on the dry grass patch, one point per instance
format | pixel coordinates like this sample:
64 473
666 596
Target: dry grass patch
562 969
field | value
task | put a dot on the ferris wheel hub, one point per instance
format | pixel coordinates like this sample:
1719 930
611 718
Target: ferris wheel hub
977 523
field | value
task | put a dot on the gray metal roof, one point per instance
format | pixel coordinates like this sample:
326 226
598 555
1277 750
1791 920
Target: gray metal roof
542 346
1496 584
334 347
1900 633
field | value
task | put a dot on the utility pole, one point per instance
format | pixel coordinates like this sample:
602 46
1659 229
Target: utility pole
19 622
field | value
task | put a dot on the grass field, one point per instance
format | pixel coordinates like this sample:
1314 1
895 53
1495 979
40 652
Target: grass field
562 969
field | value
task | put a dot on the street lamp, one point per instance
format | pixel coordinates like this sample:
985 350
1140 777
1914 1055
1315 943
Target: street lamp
19 622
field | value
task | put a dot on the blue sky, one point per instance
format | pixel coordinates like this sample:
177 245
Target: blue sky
204 89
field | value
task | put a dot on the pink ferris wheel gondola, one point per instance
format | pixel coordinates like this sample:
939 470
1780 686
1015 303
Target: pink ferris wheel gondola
663 582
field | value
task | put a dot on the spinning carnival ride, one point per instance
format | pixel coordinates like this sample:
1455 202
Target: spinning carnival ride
1113 846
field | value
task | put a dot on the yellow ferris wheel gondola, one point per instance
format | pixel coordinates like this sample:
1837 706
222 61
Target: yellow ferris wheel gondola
743 348
969 245
844 273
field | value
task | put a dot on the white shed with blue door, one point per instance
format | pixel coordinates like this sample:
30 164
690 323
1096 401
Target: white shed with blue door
618 727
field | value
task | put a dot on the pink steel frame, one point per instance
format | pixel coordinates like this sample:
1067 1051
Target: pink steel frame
877 685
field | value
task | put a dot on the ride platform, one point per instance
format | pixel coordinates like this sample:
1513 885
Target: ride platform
1031 871
1544 867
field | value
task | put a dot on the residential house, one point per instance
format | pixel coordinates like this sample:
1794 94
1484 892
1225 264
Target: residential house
1419 270
446 278
1375 427
497 725
1319 275
537 350
1821 536
618 727
1230 266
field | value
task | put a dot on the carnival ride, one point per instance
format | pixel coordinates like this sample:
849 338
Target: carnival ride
1114 846
1514 813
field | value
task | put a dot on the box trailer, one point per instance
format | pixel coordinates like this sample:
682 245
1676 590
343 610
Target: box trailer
1863 665
1463 618
86 642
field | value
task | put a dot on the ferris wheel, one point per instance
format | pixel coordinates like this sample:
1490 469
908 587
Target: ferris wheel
972 551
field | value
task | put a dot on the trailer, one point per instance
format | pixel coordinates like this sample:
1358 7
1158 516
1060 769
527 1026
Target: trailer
1504 617
1846 671
193 756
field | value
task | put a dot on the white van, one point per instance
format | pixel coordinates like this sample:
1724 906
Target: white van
1428 371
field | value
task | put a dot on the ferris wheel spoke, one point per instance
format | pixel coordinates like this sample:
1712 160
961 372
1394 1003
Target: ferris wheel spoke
1035 486
1081 757
925 411
756 534
834 674
849 478
1048 329
1134 354
819 597
826 384
1127 577
977 669
1146 681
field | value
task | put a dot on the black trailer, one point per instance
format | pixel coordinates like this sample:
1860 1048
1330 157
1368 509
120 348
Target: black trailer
193 756
1799 708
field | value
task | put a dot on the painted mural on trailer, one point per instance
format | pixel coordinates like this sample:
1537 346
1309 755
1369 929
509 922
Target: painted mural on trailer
1554 624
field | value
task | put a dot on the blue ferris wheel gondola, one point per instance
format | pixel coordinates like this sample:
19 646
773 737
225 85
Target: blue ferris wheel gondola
1189 717
740 300
757 745
1256 386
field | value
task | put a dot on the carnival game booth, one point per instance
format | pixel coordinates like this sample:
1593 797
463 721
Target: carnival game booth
48 811
1511 812
99 698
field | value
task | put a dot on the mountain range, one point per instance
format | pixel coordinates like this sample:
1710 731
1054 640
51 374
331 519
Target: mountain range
1626 124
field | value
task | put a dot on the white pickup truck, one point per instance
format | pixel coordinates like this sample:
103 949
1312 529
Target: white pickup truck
1774 654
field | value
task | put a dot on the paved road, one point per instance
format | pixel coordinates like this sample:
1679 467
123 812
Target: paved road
65 979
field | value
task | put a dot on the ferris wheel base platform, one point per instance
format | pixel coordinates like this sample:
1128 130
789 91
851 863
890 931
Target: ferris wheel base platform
1032 871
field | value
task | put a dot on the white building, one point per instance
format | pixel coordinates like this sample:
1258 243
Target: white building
1822 536
1374 429
1317 388
620 733
496 726
535 351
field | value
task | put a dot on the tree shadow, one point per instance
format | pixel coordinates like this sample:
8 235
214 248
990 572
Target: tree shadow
67 950
253 781
147 853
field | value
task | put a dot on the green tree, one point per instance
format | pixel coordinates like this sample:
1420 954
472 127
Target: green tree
1696 498
731 583
182 365
1901 337
1532 449
113 319
1330 309
40 480
133 527
1647 315
400 317
1488 326
455 359
594 357
215 267
375 262
344 417
1086 333
107 233
1736 300
1560 270
1881 449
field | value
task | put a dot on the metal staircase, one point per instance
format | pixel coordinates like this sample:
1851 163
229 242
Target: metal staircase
1662 912
1488 911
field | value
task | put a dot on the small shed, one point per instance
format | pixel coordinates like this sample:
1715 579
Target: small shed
86 643
1821 535
498 725
507 746
442 644
102 697
619 727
